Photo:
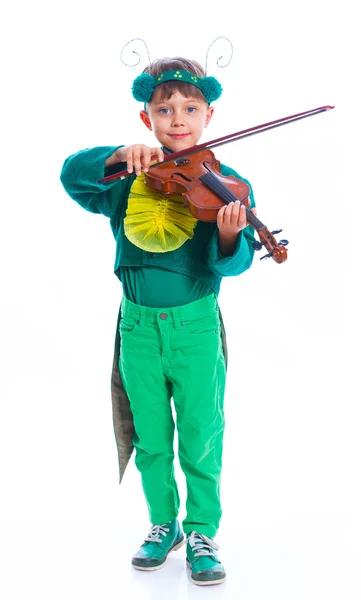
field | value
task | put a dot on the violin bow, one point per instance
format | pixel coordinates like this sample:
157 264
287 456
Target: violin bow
224 140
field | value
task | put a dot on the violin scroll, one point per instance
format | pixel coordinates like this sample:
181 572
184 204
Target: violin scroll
276 250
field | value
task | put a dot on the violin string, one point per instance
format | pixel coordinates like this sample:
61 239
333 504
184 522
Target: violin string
216 186
211 181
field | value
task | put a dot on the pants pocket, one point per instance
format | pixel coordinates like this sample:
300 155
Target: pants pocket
204 325
127 324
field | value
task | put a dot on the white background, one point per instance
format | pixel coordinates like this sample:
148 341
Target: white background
291 479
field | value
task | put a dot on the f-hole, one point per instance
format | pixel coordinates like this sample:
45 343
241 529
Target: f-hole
182 176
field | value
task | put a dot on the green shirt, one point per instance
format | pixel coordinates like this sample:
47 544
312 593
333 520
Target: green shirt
160 288
197 262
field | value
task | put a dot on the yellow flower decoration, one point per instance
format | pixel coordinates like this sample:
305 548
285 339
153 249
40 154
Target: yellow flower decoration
154 222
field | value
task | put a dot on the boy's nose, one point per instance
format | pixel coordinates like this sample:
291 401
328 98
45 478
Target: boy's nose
177 120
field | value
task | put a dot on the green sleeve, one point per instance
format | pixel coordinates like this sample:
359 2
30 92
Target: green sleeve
242 257
79 177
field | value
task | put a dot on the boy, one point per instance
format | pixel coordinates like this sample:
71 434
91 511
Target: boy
170 266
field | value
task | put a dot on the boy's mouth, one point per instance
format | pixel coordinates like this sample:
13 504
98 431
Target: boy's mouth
178 136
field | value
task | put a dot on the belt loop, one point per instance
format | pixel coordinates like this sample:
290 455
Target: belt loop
125 306
176 319
142 315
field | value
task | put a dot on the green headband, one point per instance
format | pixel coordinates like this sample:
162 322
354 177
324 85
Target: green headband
144 85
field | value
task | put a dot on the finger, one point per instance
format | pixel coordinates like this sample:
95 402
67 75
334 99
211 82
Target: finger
158 154
129 159
220 215
242 217
232 213
137 151
228 214
146 158
236 207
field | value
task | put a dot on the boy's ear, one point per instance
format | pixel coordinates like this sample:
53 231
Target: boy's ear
209 115
146 120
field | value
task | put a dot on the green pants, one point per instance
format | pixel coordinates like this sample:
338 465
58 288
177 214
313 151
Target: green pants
176 352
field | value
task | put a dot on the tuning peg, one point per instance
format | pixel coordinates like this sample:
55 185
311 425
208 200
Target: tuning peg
266 256
257 245
283 243
276 231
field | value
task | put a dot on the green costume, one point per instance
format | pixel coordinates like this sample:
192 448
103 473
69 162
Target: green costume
171 334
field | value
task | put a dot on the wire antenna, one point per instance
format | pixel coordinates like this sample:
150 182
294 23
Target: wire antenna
221 37
134 52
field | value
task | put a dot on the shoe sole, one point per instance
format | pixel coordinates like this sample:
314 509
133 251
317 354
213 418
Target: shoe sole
174 548
211 582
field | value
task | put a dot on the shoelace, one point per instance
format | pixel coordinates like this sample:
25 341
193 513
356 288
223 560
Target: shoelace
155 532
201 544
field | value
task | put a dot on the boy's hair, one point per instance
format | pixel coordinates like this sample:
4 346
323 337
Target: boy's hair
168 88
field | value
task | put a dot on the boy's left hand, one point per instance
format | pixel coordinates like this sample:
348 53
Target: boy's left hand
231 218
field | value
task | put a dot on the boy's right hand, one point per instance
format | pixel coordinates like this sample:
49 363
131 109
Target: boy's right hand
138 156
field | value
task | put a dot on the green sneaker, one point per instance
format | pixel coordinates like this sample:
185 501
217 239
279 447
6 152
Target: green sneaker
161 540
202 559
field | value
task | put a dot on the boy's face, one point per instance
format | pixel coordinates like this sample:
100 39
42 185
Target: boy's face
177 122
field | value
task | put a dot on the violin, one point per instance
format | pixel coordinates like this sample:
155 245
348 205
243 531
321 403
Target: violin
204 190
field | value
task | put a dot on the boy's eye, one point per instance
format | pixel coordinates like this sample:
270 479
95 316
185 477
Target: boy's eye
164 111
191 109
